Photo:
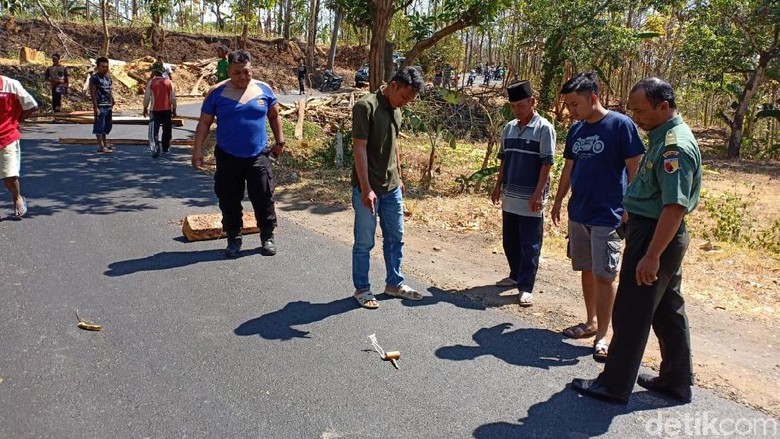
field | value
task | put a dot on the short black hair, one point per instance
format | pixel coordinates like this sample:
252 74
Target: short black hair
55 55
583 83
223 48
410 76
656 91
239 56
102 59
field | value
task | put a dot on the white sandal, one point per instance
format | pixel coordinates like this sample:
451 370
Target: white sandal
404 292
526 299
363 297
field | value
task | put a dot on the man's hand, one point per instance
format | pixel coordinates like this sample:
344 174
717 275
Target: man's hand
95 111
535 202
555 213
146 112
197 158
368 198
647 270
173 113
277 149
495 197
401 185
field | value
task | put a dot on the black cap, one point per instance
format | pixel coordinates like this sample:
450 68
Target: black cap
55 55
517 91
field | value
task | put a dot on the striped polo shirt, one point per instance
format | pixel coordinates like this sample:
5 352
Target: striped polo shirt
524 149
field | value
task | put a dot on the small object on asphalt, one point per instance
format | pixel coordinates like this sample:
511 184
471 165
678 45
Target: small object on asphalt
86 325
391 356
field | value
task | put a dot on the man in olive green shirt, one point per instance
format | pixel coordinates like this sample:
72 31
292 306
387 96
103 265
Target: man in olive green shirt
377 186
665 189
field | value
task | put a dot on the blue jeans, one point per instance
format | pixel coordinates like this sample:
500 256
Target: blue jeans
389 208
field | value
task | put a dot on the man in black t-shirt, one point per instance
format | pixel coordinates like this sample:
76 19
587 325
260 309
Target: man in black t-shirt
301 71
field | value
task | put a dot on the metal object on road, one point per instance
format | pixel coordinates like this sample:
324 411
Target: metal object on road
391 356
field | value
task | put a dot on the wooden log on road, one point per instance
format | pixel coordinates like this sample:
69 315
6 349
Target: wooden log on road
91 141
116 120
208 226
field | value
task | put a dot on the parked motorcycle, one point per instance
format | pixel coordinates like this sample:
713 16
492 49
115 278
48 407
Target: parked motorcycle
330 81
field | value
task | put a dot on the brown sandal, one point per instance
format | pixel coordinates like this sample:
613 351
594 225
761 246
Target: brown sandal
583 330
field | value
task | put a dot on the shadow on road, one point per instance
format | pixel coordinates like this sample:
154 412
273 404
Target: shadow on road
78 179
529 347
163 261
564 415
279 325
489 295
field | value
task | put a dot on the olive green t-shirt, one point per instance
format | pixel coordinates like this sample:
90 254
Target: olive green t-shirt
376 122
669 173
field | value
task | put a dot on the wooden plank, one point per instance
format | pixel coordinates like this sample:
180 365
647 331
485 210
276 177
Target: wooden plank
90 141
116 120
209 226
301 114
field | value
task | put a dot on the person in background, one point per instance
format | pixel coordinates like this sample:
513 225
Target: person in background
161 93
222 64
57 76
100 92
301 73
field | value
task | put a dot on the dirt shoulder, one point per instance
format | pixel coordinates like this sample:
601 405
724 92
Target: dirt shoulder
737 356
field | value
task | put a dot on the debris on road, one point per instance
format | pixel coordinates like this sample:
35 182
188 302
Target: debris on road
391 356
208 226
87 325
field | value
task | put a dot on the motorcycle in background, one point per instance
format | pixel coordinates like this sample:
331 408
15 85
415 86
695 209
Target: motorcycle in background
330 81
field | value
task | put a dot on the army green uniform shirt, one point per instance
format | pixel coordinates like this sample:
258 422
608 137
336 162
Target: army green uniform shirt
374 120
670 172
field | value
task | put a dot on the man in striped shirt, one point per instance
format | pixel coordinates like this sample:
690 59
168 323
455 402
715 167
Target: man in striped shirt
526 154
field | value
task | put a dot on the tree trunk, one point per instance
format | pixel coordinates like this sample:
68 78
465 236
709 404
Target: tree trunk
311 47
552 70
421 45
737 125
334 38
104 18
287 18
383 13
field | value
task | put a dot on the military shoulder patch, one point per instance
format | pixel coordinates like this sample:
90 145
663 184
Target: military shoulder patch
671 138
670 153
671 165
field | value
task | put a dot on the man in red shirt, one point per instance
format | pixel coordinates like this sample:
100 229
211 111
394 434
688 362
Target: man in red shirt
162 95
15 105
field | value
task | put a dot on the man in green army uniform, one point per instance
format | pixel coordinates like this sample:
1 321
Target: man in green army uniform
665 189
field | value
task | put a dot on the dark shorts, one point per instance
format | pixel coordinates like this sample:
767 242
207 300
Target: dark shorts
102 123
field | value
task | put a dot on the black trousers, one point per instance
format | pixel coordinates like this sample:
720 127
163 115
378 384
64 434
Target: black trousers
638 308
300 85
522 236
233 176
162 119
56 98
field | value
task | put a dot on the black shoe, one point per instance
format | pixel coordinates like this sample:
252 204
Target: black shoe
594 389
233 247
155 155
269 248
655 384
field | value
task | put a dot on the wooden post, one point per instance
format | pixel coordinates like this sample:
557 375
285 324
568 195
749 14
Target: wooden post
339 149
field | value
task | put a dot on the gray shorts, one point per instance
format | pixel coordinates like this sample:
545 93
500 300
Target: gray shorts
595 248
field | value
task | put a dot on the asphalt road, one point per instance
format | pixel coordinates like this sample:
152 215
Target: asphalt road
258 347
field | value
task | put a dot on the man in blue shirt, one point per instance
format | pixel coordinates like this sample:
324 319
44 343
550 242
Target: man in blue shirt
600 147
102 104
241 106
526 154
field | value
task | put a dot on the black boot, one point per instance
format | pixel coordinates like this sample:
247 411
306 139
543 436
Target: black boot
269 248
233 247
